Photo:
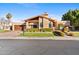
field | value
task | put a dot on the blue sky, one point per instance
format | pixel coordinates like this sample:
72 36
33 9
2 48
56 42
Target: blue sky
21 11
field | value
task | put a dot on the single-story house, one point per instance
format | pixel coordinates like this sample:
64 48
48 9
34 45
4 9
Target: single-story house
43 21
40 21
5 24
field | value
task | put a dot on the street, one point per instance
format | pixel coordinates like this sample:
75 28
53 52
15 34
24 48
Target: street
38 47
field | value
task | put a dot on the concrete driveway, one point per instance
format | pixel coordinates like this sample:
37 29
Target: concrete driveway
39 47
10 34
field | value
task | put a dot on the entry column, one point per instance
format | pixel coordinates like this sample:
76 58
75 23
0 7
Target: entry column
27 25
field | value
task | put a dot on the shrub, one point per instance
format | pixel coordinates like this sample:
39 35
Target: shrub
39 30
65 29
60 26
58 33
6 30
32 30
46 29
70 34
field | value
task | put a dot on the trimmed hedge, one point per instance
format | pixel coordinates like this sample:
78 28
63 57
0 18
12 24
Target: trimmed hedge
60 33
69 34
46 29
32 30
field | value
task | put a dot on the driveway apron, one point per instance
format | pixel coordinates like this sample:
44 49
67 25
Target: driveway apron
10 34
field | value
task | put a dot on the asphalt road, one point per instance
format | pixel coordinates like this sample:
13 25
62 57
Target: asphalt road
39 47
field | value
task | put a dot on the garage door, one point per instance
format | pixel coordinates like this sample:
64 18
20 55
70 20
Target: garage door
18 27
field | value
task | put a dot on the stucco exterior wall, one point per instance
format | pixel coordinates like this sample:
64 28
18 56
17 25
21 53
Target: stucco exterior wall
40 20
45 23
32 22
27 25
43 20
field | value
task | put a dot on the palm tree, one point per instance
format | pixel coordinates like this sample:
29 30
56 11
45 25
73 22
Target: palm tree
9 16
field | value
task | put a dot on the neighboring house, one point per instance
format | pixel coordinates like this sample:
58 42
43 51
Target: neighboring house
40 21
5 24
1 26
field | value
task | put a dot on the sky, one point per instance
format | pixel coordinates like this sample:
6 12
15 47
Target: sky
21 11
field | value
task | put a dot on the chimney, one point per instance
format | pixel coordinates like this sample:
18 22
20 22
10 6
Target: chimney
45 14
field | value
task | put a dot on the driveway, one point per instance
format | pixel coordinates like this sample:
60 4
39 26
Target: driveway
10 34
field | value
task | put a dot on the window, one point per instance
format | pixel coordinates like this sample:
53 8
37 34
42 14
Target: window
50 25
41 24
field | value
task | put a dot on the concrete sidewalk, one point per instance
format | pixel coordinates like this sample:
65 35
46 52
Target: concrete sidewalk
42 38
28 38
66 38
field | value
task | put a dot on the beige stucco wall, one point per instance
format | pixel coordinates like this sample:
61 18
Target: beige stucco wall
28 25
40 20
45 23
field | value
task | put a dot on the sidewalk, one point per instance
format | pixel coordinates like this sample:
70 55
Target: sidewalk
43 38
28 38
66 38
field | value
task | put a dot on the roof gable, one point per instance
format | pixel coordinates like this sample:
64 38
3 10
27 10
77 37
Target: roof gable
40 16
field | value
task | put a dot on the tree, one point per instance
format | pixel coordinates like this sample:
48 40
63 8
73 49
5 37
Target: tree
73 17
9 16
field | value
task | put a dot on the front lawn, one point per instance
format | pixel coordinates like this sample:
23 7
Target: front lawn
37 34
76 34
1 31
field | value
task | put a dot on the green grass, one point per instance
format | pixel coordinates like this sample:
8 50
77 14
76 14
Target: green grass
2 31
39 30
37 34
76 34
